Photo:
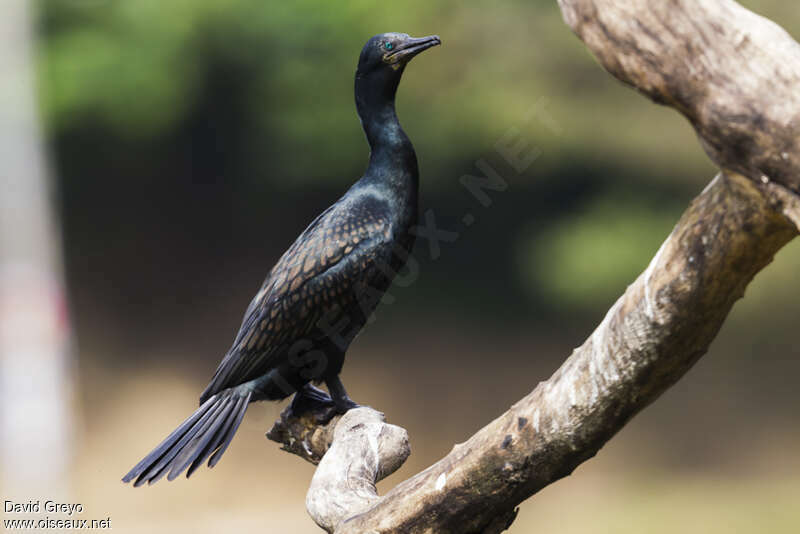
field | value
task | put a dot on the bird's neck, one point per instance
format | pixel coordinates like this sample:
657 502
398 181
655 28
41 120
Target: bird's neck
388 143
392 161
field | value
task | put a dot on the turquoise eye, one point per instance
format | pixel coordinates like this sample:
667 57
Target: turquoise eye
388 46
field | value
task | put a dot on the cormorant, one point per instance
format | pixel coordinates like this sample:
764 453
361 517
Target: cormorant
320 293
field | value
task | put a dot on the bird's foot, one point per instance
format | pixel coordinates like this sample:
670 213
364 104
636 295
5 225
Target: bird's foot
344 404
314 402
339 394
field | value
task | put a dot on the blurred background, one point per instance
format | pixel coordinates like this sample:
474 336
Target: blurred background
187 143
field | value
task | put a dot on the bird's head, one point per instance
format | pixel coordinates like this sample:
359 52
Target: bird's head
380 68
392 51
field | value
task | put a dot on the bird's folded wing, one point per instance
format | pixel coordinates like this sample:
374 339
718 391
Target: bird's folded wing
317 277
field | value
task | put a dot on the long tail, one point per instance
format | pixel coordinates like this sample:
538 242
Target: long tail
208 430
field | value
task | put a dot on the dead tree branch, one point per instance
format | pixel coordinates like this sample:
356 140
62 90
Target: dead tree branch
734 75
354 452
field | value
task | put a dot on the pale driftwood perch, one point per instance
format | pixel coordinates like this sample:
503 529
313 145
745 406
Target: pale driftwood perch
354 452
364 451
735 76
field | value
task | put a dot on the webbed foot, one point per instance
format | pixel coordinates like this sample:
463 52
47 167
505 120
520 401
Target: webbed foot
341 400
314 402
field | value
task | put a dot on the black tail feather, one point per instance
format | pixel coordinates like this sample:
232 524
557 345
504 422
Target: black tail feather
176 434
226 440
194 448
158 468
210 428
219 435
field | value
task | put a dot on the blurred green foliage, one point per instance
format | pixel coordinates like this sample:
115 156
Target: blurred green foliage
588 259
255 98
140 67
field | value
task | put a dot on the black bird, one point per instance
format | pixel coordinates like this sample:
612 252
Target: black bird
319 295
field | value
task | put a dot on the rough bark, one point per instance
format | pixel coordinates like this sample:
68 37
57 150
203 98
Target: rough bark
734 75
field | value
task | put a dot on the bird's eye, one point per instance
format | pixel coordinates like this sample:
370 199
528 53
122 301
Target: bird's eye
388 46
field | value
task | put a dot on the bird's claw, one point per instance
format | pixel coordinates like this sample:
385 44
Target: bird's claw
345 405
314 402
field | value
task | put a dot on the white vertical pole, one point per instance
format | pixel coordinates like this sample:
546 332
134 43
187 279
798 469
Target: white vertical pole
35 386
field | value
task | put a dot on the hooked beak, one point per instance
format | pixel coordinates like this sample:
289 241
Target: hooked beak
406 50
